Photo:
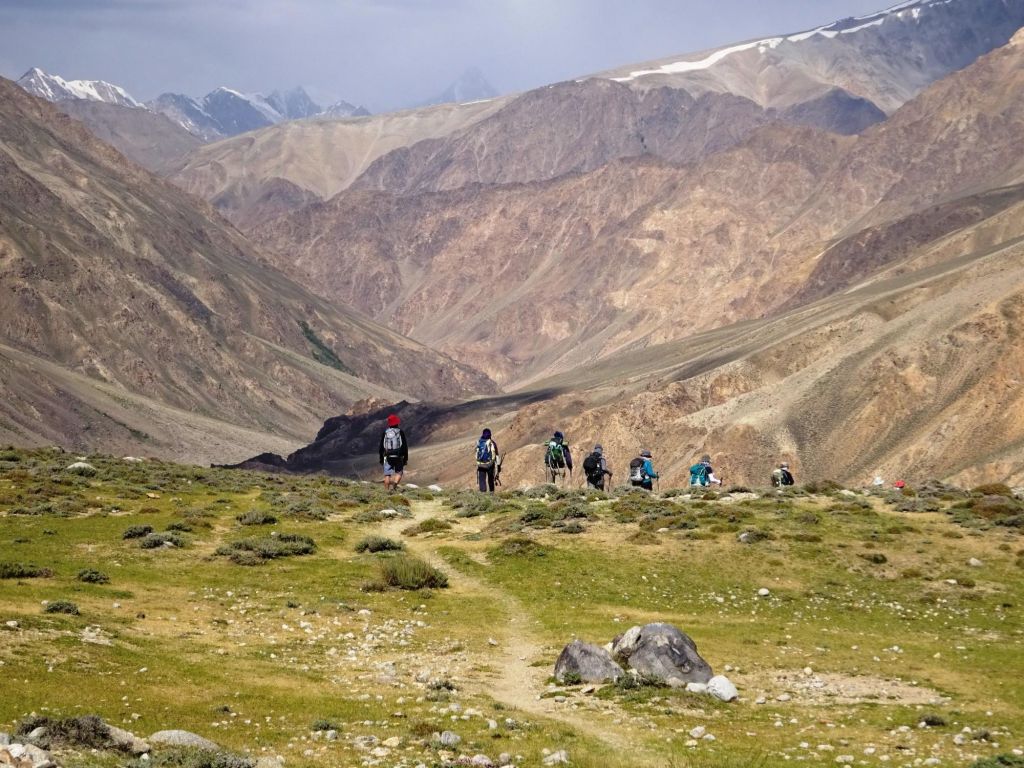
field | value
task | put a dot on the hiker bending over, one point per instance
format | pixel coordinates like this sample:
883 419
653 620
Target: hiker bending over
641 472
702 474
394 453
781 476
488 462
557 458
596 468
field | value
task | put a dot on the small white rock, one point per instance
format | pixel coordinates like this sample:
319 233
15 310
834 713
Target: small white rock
722 688
763 592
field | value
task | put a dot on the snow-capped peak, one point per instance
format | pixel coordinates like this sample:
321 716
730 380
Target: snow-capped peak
56 88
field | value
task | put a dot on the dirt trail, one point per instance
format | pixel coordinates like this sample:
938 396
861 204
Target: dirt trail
516 682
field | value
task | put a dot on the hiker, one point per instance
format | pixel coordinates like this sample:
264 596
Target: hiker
488 462
702 474
781 476
595 467
394 453
557 458
641 472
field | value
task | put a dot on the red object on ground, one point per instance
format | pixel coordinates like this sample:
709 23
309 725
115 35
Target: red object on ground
899 484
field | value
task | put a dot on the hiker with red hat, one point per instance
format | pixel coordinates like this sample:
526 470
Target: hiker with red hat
394 453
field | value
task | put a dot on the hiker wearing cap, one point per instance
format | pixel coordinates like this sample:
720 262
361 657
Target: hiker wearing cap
488 462
557 458
394 453
702 474
781 476
641 471
595 467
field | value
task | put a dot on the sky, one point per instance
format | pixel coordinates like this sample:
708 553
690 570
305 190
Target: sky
384 54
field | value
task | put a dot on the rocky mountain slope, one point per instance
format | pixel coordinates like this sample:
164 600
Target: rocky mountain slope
647 251
110 272
55 88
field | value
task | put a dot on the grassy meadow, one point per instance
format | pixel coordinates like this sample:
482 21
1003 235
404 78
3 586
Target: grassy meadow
320 621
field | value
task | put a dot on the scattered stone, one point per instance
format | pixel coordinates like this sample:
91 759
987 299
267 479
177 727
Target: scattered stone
698 732
975 563
481 760
557 758
5 739
763 592
697 687
127 741
365 742
586 662
178 738
435 488
268 761
37 734
449 739
133 459
722 688
83 468
389 512
663 652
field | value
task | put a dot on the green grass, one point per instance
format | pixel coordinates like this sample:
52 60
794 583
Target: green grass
253 658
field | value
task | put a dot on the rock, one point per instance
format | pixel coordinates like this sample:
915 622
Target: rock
435 488
83 468
975 563
365 742
698 732
557 758
663 652
697 687
752 537
5 739
589 663
394 742
36 734
133 459
389 512
763 592
481 760
127 741
722 688
411 485
269 762
449 739
26 756
177 738
847 492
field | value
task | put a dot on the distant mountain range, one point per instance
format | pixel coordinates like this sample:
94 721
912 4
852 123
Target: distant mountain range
470 86
221 113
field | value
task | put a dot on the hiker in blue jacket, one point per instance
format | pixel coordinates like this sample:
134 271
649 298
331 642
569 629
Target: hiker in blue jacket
488 462
641 471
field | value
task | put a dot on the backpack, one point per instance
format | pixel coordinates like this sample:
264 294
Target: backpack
787 477
699 474
485 453
392 443
636 470
592 468
556 454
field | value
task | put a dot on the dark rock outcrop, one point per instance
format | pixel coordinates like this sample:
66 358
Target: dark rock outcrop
663 652
587 663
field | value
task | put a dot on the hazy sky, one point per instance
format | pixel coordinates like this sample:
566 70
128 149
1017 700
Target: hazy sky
381 53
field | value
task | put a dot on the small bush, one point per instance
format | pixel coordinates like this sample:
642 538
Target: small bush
323 725
192 757
430 525
255 551
137 532
86 731
993 489
256 517
573 527
643 538
405 572
180 527
157 540
23 571
519 546
378 544
63 606
822 487
90 576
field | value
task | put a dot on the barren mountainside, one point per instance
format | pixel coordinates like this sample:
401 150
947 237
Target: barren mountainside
108 271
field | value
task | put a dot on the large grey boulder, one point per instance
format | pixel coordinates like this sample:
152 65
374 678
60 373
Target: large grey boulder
182 739
663 652
586 662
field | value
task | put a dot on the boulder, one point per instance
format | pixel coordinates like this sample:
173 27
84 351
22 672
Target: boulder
587 663
449 739
177 738
268 761
561 757
663 652
127 740
722 688
82 468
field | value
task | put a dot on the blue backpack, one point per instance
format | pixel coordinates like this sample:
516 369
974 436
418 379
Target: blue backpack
484 453
699 474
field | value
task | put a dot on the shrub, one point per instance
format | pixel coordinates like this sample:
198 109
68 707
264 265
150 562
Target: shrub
323 724
519 546
23 571
63 606
193 757
137 532
993 489
257 550
256 517
377 544
90 576
643 538
822 487
180 526
85 731
157 540
430 525
572 527
405 572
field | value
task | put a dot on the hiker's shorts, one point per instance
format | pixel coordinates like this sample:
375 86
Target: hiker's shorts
392 469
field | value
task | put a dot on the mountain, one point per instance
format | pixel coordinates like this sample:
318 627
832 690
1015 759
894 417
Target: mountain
54 88
471 85
294 104
111 274
644 250
145 137
344 109
188 113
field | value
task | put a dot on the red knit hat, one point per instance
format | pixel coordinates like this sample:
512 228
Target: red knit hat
393 420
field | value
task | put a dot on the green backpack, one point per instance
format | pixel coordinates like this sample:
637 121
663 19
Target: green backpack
556 454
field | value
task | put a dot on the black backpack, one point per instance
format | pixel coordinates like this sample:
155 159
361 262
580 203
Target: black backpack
592 468
787 477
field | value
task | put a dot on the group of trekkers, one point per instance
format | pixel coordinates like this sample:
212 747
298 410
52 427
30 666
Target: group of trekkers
558 464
